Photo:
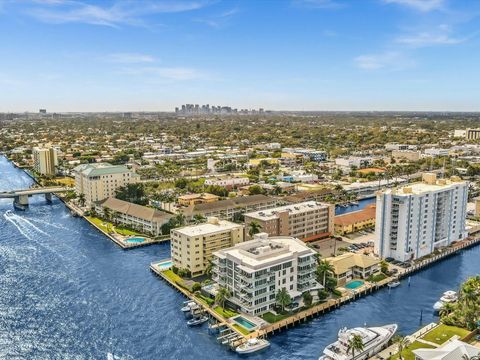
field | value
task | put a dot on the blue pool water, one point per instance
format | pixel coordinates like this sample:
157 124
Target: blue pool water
67 292
354 284
135 240
244 322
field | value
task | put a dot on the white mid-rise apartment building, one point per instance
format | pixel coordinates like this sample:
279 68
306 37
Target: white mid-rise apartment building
307 221
255 271
192 246
45 160
413 220
228 182
100 180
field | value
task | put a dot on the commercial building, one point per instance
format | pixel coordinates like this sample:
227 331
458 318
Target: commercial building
413 220
231 209
229 183
397 146
192 246
193 199
100 180
45 160
434 152
351 266
310 154
144 219
254 271
468 134
307 221
355 220
351 162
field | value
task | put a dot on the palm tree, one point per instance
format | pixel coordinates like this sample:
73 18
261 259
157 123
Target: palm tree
198 219
254 228
475 357
355 343
383 266
446 309
402 344
81 199
222 295
106 213
283 298
323 268
209 268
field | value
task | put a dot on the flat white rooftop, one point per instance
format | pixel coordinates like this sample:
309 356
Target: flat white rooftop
292 209
422 187
210 227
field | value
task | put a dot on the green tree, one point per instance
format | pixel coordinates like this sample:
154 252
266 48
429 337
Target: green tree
307 298
355 344
198 219
402 343
256 189
254 228
222 295
81 199
134 193
324 268
283 298
384 266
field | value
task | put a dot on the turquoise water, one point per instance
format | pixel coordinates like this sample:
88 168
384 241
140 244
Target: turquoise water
136 240
165 265
244 322
354 284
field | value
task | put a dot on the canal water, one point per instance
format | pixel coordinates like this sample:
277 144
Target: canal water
361 204
67 292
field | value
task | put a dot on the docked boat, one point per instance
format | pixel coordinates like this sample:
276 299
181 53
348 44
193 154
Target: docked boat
188 305
447 297
394 283
197 321
374 340
252 345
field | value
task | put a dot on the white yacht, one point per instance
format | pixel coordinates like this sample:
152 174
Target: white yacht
189 305
252 345
447 297
394 283
374 340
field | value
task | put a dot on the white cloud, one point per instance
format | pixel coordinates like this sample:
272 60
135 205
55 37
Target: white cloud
219 20
437 36
129 58
166 73
420 5
318 4
390 60
121 12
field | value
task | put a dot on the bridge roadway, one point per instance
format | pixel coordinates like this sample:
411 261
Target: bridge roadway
20 197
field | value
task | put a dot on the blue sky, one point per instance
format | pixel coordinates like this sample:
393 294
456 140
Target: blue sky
69 55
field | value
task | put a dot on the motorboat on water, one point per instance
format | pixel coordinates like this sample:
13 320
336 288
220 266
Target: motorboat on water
188 306
447 297
197 321
252 345
374 340
394 283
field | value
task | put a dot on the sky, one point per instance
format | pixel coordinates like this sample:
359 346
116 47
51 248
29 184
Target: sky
136 55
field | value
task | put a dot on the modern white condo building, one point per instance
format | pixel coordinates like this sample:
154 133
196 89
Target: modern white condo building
100 181
254 271
413 220
45 160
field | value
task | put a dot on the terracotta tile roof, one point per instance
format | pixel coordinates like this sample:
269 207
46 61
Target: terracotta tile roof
356 216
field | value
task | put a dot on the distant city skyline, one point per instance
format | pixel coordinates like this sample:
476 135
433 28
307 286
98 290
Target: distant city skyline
297 55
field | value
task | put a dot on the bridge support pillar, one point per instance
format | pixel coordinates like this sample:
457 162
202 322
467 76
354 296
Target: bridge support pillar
48 197
20 202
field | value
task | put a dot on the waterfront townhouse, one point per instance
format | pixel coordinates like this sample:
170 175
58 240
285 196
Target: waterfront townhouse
45 160
307 221
254 271
231 209
351 266
100 180
144 219
192 246
355 220
413 220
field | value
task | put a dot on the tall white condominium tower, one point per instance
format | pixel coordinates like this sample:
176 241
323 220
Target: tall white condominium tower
45 160
412 221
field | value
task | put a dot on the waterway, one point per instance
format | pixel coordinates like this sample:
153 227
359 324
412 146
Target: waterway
361 204
67 292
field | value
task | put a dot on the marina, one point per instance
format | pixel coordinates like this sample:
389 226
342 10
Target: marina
96 274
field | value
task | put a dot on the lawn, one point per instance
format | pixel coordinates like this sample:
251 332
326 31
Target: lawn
226 313
272 318
109 227
241 329
377 277
125 232
172 276
407 353
100 223
442 333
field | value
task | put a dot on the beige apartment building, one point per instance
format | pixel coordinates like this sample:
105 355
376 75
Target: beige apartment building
45 160
307 221
192 246
100 181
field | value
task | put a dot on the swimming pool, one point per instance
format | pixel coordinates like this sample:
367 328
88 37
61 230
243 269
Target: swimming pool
240 320
164 265
354 284
135 240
